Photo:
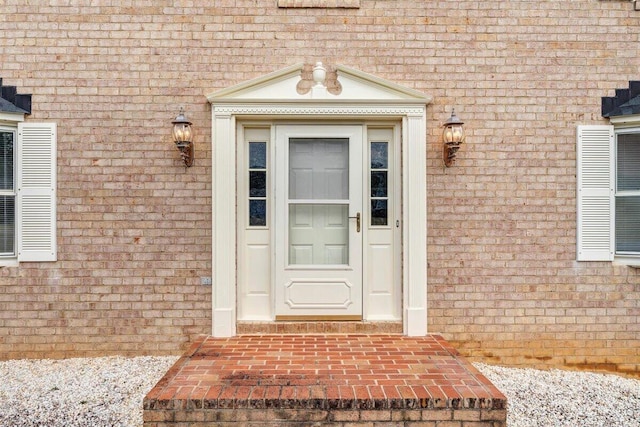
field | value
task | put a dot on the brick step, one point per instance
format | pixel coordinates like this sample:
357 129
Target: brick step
323 380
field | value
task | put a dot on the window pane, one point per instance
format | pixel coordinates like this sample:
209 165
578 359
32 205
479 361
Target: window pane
258 212
628 224
257 155
319 168
257 184
6 160
628 162
379 184
378 212
379 155
7 225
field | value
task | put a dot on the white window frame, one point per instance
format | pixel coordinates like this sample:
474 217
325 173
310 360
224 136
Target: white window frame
12 258
35 190
627 258
596 184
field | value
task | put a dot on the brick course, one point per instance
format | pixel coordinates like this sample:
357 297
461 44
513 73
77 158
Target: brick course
134 226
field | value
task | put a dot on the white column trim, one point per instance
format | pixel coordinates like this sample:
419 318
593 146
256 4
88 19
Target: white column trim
414 232
224 225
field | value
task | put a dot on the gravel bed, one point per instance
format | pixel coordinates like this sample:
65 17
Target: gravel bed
108 391
94 392
565 398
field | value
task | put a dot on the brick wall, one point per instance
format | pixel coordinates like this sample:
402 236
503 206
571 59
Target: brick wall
134 226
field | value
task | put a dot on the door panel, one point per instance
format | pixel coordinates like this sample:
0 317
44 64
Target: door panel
318 250
325 295
318 234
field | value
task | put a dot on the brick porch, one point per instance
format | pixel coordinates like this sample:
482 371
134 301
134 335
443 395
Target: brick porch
302 380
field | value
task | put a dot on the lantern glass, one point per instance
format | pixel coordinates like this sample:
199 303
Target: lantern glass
448 135
182 133
453 134
457 133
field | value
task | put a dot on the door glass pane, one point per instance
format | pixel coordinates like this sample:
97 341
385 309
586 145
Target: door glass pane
258 213
379 183
379 155
6 160
257 184
319 169
318 234
257 155
379 212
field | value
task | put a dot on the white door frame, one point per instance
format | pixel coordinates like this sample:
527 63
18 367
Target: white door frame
363 97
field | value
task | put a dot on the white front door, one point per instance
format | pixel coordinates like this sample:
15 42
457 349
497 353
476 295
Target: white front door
319 221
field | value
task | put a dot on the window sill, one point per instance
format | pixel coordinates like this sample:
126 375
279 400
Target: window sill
9 262
627 260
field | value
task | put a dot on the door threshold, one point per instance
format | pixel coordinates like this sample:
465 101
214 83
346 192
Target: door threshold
319 327
326 318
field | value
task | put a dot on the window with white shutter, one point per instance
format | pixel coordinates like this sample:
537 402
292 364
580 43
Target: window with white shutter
28 193
609 194
627 198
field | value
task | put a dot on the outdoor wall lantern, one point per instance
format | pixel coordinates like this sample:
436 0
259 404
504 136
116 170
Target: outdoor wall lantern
453 137
183 137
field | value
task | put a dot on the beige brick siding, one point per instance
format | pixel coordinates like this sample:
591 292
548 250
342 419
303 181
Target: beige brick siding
134 226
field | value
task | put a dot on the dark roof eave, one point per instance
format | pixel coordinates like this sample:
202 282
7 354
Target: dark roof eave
625 102
13 102
8 107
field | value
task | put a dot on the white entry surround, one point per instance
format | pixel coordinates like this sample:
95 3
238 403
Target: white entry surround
261 105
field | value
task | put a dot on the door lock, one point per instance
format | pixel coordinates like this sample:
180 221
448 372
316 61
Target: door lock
357 218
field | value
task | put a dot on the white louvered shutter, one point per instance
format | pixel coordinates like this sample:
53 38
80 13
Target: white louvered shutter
36 192
595 193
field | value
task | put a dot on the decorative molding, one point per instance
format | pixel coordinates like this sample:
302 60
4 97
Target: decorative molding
306 82
319 110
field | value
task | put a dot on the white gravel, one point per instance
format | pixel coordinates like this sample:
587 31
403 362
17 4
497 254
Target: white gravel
108 391
96 392
566 398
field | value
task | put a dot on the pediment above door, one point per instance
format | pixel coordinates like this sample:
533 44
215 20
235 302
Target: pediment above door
302 83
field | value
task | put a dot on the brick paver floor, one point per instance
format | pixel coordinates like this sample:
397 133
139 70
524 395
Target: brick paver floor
323 372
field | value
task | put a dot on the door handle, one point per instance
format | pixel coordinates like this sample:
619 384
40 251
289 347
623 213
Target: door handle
357 218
